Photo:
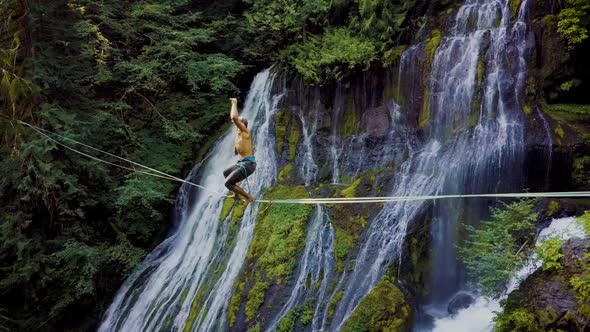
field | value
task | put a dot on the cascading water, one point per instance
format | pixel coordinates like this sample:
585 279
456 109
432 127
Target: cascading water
195 260
475 132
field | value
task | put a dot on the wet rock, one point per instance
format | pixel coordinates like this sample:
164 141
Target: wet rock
376 121
549 296
461 301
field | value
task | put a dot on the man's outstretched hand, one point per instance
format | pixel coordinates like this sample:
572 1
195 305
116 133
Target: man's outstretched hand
234 100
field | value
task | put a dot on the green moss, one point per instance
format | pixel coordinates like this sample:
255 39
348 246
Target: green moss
279 235
351 118
286 173
581 172
281 122
393 55
343 243
195 309
237 215
306 315
228 204
425 114
350 191
514 6
184 294
286 125
235 303
334 303
474 116
580 109
585 221
552 209
574 116
527 109
559 131
255 298
431 44
238 211
481 66
287 323
383 309
255 328
293 140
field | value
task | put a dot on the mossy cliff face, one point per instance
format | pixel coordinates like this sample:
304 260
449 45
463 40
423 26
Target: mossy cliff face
383 309
417 258
279 236
556 105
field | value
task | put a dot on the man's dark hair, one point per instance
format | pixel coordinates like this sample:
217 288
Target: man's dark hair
244 121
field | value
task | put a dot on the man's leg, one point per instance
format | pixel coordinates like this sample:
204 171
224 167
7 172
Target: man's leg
248 198
230 183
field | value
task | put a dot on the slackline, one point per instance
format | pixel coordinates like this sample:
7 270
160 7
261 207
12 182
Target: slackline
146 170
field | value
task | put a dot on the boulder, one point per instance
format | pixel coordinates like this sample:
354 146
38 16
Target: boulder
460 301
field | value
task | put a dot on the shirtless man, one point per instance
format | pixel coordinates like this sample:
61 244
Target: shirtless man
245 166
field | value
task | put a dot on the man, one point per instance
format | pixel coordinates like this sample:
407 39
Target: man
243 146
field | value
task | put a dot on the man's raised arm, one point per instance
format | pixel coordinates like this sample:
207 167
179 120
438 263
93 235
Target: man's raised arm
234 115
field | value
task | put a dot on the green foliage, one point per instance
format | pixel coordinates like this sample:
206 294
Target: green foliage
383 309
431 44
548 252
334 303
144 79
303 313
585 221
328 56
381 20
574 22
492 251
287 323
393 55
517 320
278 21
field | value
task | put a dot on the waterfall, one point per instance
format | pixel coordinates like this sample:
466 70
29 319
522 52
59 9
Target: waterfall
474 133
195 263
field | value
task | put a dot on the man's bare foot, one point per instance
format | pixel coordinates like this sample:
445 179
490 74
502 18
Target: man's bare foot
248 200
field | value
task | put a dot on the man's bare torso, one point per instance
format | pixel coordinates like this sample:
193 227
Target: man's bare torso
243 145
